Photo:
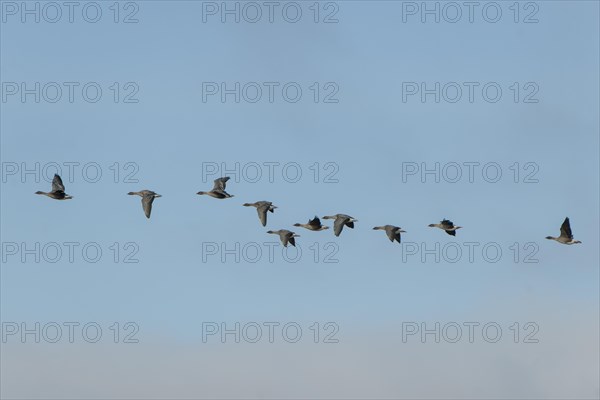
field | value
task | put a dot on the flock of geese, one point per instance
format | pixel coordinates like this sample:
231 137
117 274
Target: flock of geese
287 236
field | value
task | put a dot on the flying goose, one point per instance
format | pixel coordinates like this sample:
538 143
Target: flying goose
340 221
447 225
261 208
218 190
285 236
148 197
566 236
392 232
58 190
313 225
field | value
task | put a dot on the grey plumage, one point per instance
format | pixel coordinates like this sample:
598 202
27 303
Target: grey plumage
148 197
58 190
218 190
392 232
447 226
341 220
261 208
313 225
566 235
285 236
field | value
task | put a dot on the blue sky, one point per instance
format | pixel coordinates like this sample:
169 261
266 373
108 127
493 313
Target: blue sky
368 135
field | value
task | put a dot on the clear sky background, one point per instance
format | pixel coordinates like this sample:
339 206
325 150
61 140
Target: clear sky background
368 135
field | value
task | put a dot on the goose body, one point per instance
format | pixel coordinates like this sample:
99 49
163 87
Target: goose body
566 235
58 190
392 232
285 236
313 225
341 220
148 197
447 226
218 190
261 208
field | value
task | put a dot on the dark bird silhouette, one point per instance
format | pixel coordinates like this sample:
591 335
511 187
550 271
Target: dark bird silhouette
58 190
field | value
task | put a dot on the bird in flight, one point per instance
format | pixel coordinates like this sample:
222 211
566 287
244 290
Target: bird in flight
148 197
566 236
261 208
218 190
313 225
58 190
446 225
341 220
285 236
392 232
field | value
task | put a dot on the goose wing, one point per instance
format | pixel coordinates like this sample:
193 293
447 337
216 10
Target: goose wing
220 184
262 213
565 229
391 233
446 223
338 225
284 237
221 193
397 237
316 222
287 237
147 200
57 184
292 241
